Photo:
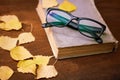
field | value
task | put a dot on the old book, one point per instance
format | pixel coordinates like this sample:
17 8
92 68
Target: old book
67 43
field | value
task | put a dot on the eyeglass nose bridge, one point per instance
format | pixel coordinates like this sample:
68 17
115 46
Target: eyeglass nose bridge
73 18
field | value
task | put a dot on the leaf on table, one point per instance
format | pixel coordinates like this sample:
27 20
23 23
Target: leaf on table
46 72
10 22
49 3
7 43
67 6
20 53
26 66
41 60
5 72
2 26
25 37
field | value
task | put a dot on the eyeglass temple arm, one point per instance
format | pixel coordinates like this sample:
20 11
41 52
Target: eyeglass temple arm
86 27
96 37
91 28
51 24
75 25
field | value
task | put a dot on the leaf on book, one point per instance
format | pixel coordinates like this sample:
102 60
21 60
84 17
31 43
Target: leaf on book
49 3
5 72
67 6
7 43
26 37
41 60
20 53
46 72
10 22
26 66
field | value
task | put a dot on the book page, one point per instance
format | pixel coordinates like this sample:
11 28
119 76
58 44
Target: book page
67 37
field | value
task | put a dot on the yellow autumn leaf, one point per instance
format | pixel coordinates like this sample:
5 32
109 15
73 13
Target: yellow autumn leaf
47 71
26 37
41 60
20 53
26 66
10 22
2 25
5 72
67 6
49 3
7 43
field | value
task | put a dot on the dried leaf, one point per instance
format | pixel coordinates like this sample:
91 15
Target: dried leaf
20 53
2 25
46 72
41 60
26 66
67 6
10 22
49 3
7 43
5 72
26 37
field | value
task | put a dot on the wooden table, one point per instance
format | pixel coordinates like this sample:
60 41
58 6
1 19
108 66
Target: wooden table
96 67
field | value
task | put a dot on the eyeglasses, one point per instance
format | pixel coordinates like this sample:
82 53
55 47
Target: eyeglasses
86 26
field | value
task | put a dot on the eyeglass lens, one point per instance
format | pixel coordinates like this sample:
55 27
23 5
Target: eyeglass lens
90 27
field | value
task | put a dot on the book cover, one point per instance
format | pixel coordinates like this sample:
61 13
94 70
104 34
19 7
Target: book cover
66 42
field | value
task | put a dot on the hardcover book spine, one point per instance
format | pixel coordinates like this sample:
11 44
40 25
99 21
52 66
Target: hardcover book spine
49 33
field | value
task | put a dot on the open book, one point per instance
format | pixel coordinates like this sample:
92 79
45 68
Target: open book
66 43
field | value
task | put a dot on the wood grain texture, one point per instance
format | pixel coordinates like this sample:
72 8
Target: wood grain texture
97 67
